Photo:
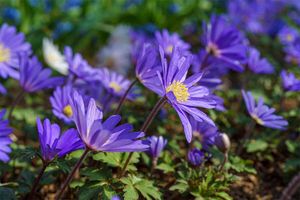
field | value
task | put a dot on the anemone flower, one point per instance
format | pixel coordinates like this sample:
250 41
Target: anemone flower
104 136
5 140
53 143
287 35
258 65
157 144
34 78
60 103
196 157
289 81
12 44
262 114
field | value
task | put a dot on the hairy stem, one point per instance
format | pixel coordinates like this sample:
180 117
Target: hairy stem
224 161
60 193
122 100
15 102
291 189
249 131
161 102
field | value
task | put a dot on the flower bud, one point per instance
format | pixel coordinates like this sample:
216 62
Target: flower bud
157 144
222 141
196 157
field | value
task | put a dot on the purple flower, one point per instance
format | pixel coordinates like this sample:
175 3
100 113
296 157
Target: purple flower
196 157
205 132
5 140
2 89
258 65
115 84
148 63
53 144
262 114
168 41
289 81
157 144
104 136
60 103
12 44
181 92
78 67
224 43
116 197
287 35
293 53
33 77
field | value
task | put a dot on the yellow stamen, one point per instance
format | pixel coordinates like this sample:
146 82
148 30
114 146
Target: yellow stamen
169 49
213 49
68 111
115 86
180 91
289 37
4 53
257 119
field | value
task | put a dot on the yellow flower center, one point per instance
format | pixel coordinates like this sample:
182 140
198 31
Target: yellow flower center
68 111
213 49
115 86
4 53
289 37
257 119
169 49
179 90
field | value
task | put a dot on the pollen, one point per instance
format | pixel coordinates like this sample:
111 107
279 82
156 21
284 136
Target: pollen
169 49
115 86
4 53
68 111
289 37
257 119
179 90
213 49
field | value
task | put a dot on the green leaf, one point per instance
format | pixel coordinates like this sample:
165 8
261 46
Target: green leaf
181 186
256 145
224 195
240 165
165 168
292 145
130 193
7 194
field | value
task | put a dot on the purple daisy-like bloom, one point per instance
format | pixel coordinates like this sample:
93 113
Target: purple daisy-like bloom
287 35
53 143
205 132
262 114
78 67
224 43
182 92
258 65
60 103
115 84
293 52
157 144
169 41
104 136
34 78
5 140
148 63
289 81
196 157
12 44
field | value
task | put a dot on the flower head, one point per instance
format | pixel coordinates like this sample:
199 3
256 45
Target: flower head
33 77
53 143
157 144
262 114
258 65
205 132
12 44
224 43
5 140
289 81
182 92
287 35
104 136
60 103
169 41
196 157
53 57
293 53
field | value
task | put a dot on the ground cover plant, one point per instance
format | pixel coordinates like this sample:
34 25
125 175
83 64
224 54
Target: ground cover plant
149 99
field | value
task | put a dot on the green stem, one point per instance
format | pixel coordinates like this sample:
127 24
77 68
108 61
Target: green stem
15 102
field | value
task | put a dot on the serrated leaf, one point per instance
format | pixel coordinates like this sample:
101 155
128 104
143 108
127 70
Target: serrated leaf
180 186
165 168
130 193
224 195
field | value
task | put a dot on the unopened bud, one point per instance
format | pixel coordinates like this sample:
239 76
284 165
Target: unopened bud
222 141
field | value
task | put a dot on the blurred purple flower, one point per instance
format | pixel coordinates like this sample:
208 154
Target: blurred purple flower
33 77
104 136
60 103
224 43
262 114
12 44
53 143
157 144
258 65
196 157
287 35
169 41
5 140
293 53
289 81
2 89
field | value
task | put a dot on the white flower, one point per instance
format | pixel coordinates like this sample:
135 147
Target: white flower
53 57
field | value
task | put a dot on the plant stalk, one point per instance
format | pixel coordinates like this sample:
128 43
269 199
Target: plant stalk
291 189
15 102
